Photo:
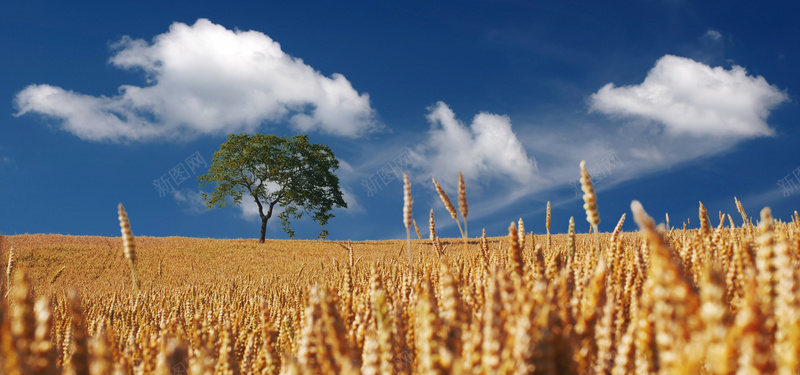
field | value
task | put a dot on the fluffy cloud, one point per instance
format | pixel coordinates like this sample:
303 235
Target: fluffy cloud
691 98
206 79
487 148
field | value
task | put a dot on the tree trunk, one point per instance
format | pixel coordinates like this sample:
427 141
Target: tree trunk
266 217
263 229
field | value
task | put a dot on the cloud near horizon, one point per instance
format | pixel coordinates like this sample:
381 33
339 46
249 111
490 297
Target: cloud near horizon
682 111
206 79
487 148
690 98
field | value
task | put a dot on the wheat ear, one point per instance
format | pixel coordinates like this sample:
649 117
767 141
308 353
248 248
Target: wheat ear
129 248
57 274
740 208
485 251
462 205
676 302
437 246
589 198
432 227
702 214
43 357
514 251
23 319
448 204
407 215
547 225
571 238
79 360
9 270
462 201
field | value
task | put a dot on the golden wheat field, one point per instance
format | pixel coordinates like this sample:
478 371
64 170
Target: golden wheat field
720 299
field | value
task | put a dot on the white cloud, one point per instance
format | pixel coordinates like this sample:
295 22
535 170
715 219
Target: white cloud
191 200
487 148
661 131
346 172
249 210
206 79
713 34
691 98
648 154
561 141
353 206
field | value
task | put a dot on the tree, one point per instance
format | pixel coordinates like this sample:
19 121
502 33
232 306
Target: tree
285 171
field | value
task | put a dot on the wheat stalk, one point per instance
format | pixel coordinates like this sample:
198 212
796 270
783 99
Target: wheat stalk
129 248
416 229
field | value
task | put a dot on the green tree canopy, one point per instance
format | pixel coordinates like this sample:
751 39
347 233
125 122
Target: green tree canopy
287 171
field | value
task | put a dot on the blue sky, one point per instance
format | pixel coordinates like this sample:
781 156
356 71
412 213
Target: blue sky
669 102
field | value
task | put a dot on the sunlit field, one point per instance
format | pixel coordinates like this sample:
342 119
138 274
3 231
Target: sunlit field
97 264
719 299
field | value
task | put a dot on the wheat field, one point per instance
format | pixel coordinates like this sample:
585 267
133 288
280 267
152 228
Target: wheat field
719 299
